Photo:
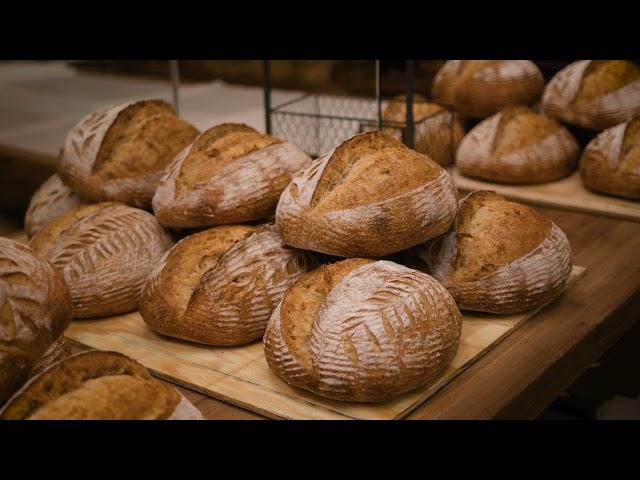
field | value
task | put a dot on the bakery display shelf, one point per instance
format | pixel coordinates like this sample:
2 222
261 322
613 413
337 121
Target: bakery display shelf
241 376
568 193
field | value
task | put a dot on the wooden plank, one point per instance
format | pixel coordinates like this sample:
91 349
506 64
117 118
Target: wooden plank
566 193
241 375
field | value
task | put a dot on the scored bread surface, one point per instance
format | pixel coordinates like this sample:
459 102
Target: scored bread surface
229 174
370 197
518 145
501 256
363 330
220 286
105 252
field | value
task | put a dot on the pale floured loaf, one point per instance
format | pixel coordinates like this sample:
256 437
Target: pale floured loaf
51 200
437 130
229 174
594 94
219 286
518 145
119 153
98 385
610 163
370 197
35 309
500 256
479 88
105 252
363 330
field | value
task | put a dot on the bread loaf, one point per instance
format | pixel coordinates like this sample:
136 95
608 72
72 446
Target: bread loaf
98 386
610 163
219 286
57 352
51 200
594 94
363 330
518 145
105 252
229 174
35 309
369 197
479 88
500 256
119 153
437 130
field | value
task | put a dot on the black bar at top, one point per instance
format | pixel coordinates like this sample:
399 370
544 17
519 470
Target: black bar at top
266 77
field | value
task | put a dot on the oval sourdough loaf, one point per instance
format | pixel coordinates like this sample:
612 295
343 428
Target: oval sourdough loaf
105 252
479 88
119 153
610 163
594 94
98 386
500 257
363 330
219 286
35 309
51 200
369 197
229 174
437 130
518 145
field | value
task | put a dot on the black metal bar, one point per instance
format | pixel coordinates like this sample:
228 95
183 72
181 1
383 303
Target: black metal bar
266 71
174 71
379 93
409 79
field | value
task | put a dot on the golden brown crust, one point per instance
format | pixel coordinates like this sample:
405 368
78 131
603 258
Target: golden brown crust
105 252
610 163
35 309
518 145
57 352
501 256
363 330
119 153
94 386
219 286
479 88
370 197
594 94
230 174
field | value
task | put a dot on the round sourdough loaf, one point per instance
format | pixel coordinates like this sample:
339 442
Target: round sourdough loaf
35 309
98 386
119 153
370 197
229 174
500 257
594 94
518 145
105 252
610 163
437 130
51 200
479 88
219 286
363 330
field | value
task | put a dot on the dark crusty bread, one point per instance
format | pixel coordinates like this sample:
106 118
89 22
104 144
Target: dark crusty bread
230 174
105 252
98 386
370 197
35 309
363 330
219 286
479 88
119 153
500 257
594 94
437 130
51 200
610 163
518 145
